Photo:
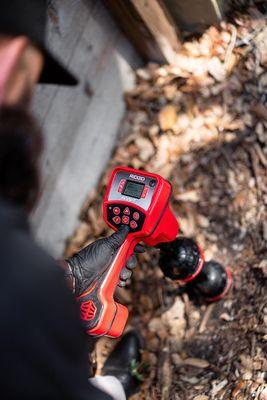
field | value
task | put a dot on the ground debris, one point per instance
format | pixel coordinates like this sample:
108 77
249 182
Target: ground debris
202 124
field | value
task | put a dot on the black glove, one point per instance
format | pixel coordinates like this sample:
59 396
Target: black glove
89 263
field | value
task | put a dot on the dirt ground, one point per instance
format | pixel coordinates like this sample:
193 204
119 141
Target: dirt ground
201 124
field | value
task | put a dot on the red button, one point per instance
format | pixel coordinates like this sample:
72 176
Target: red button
116 210
125 220
126 211
117 220
133 224
145 192
136 216
121 185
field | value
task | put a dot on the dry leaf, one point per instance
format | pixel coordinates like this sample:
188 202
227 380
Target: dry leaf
143 73
263 266
146 148
170 91
174 319
196 362
260 110
162 155
261 42
216 69
246 361
263 394
167 117
191 195
218 387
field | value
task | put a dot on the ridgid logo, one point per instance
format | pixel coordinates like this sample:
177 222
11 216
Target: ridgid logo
138 178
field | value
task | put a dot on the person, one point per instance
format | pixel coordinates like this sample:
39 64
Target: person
43 345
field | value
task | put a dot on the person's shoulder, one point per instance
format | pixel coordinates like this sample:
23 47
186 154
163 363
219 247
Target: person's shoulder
27 269
21 255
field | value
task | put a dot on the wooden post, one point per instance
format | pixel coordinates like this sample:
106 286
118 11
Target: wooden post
149 27
160 24
133 26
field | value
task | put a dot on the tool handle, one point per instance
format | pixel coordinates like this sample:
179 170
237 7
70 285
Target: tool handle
113 273
99 312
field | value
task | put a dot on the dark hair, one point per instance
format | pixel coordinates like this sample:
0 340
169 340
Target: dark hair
20 148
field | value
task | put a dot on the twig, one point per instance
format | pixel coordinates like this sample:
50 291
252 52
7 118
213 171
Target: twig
227 158
165 371
230 48
261 155
160 296
249 38
253 342
206 317
254 164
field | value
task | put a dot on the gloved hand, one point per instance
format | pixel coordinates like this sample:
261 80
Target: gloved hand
89 263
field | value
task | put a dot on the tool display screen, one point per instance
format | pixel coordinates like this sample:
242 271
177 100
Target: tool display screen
133 189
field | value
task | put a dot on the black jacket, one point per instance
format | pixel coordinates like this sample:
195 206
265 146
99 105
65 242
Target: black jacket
43 349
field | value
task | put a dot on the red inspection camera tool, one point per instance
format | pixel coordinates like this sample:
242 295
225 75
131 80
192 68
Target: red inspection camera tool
139 200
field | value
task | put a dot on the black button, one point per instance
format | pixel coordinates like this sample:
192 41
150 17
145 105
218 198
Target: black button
152 183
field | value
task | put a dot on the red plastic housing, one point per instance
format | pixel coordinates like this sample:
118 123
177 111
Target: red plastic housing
140 200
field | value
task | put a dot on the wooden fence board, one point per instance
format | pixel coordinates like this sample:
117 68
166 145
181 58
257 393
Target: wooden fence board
132 24
148 26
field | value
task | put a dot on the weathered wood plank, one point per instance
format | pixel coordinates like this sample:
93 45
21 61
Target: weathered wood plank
160 25
131 23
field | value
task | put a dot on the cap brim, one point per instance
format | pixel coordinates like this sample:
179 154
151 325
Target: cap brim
54 72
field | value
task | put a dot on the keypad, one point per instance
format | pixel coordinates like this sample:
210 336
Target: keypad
118 214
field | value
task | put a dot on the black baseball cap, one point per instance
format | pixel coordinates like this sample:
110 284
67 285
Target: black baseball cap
28 18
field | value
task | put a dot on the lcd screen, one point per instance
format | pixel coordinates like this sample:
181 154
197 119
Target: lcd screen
133 189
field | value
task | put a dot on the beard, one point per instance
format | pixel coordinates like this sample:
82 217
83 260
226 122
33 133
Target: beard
20 149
